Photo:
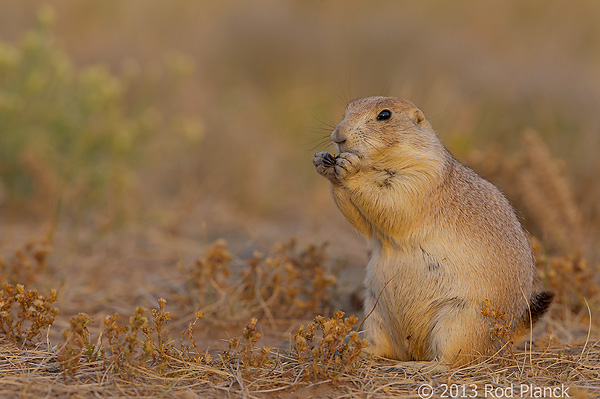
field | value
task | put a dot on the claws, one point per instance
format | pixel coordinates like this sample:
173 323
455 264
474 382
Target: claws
336 167
329 160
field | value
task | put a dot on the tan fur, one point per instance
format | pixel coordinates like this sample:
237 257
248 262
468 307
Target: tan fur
443 239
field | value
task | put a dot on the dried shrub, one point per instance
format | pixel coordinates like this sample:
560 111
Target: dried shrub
163 345
289 282
128 347
500 326
190 352
27 263
500 323
24 314
327 348
127 350
286 283
210 275
243 353
548 197
77 345
570 277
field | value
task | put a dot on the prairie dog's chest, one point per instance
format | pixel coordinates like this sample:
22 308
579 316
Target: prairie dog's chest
381 176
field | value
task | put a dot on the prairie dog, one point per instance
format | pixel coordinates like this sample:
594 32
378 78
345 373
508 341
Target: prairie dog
443 239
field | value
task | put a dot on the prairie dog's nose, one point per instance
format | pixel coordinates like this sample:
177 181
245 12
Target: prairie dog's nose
338 136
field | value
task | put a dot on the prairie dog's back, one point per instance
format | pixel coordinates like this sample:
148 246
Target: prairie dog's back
478 226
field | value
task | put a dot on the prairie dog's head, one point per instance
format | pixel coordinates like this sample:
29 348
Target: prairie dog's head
373 125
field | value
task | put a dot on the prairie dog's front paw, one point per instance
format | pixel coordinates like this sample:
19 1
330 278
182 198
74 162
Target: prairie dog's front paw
346 164
324 163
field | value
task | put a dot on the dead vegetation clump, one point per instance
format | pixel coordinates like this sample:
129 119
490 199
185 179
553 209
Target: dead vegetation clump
25 314
143 352
327 348
77 345
500 323
289 282
243 354
210 274
27 263
571 278
127 349
285 283
123 349
501 327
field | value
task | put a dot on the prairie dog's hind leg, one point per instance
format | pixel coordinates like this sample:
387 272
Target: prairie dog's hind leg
461 336
381 343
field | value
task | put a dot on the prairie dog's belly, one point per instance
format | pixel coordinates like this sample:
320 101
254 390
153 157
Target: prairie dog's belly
408 291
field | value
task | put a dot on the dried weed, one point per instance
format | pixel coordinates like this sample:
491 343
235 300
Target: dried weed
27 263
25 314
287 283
77 345
570 277
335 352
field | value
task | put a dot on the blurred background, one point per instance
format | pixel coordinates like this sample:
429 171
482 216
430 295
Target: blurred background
132 134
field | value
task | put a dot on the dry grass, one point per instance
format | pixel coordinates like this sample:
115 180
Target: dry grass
36 373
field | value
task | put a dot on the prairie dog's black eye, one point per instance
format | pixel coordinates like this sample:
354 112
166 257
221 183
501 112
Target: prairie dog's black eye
383 115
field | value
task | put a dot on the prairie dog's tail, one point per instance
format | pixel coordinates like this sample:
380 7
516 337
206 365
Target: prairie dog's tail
538 306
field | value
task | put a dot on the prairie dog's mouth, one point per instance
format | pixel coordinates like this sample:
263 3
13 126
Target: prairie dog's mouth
337 147
343 147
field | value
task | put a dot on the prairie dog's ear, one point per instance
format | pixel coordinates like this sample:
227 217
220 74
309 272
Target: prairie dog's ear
417 116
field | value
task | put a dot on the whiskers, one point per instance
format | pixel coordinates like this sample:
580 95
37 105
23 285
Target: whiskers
323 143
323 139
369 141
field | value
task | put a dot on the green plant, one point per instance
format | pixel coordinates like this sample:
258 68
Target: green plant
73 133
